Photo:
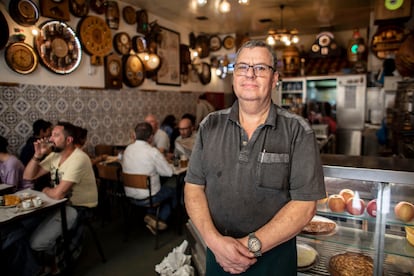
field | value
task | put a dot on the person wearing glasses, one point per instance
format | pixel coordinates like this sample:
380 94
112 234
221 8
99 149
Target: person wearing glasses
254 176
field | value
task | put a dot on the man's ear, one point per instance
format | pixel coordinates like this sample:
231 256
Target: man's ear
69 140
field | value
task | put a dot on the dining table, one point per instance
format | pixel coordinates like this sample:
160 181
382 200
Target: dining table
16 213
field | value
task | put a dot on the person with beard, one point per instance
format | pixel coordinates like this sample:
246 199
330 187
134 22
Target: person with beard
72 177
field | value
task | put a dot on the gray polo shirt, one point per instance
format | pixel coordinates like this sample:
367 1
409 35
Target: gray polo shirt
248 181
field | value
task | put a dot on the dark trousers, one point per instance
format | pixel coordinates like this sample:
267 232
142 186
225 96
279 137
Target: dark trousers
280 261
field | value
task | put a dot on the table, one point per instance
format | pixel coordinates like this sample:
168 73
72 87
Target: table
6 189
15 214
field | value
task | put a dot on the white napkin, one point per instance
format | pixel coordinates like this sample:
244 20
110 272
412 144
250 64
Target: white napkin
176 263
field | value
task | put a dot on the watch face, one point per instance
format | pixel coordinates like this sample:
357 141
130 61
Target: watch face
254 244
114 68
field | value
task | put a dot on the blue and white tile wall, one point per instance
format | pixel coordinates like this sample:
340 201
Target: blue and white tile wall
108 115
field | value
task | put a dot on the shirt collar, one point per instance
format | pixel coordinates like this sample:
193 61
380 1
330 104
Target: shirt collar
270 120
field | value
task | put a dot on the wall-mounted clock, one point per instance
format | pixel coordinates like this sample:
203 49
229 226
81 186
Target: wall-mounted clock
21 58
122 43
79 8
113 72
24 12
56 9
133 71
96 38
58 47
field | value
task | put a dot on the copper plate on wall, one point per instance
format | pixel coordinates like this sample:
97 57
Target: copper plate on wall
21 58
129 15
228 42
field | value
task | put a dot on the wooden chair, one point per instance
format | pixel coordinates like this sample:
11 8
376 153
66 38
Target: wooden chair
141 181
104 149
110 188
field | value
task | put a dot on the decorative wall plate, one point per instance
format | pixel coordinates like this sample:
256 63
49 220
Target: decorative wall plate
96 38
24 12
228 42
133 70
214 43
21 58
122 43
113 72
57 9
58 47
79 8
129 15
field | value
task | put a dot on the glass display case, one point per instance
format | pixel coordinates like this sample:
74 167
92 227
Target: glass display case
382 235
292 93
383 238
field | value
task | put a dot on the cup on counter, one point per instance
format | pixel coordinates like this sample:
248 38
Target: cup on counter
37 201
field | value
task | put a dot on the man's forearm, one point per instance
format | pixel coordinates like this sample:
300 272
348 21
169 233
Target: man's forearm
286 224
32 169
197 209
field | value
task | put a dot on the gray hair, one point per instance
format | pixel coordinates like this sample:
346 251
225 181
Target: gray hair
258 43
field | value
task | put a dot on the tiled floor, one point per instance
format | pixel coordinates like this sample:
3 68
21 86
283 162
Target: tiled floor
134 257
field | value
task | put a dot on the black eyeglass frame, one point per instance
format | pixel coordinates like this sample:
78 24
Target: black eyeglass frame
236 65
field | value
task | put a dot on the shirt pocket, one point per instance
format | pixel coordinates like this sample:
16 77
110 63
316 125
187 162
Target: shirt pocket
272 170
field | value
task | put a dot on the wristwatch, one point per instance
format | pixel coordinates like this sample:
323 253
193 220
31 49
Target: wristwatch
254 245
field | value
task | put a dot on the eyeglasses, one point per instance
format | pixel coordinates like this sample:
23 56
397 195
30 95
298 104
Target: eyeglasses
259 70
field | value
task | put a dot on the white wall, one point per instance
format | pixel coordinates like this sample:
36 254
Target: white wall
87 75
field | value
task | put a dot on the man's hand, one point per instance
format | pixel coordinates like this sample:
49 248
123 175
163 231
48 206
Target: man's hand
232 255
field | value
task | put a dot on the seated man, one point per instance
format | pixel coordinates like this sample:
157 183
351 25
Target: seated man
141 158
72 177
11 168
160 139
185 142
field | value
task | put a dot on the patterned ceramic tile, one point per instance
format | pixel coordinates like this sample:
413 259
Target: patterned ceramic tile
108 115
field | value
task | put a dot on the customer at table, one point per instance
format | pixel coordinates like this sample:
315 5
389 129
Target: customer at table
185 142
11 168
80 141
72 177
142 158
254 175
41 129
160 139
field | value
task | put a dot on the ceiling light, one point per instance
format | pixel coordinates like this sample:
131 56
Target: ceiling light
285 36
244 2
224 6
201 2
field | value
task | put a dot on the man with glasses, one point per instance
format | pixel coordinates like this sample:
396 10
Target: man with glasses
185 142
254 175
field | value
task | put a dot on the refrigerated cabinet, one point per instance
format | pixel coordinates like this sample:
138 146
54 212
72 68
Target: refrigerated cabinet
383 238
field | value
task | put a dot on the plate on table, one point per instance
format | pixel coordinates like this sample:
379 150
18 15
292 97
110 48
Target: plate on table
308 257
320 226
10 201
